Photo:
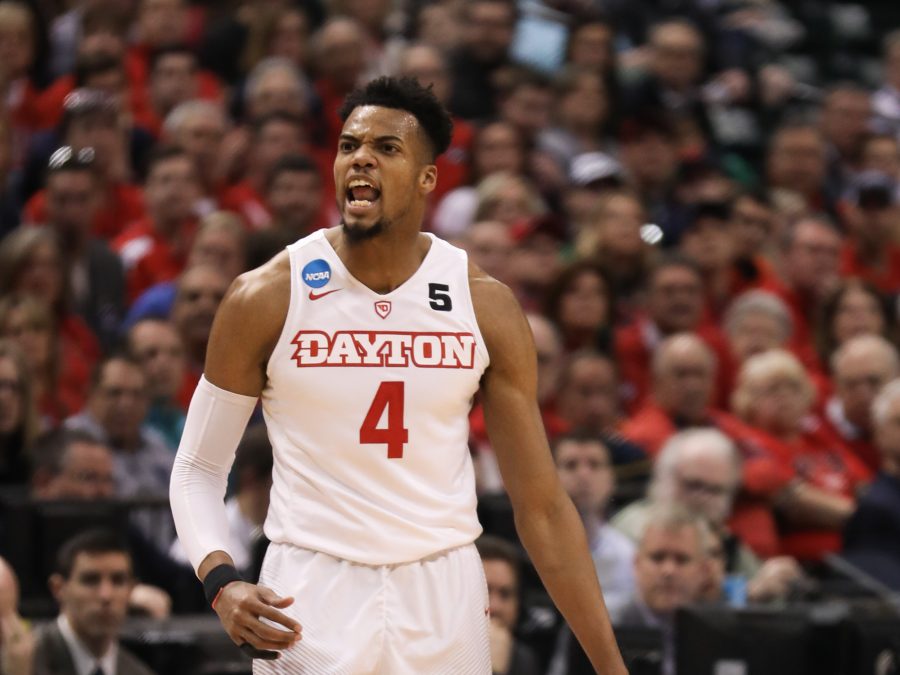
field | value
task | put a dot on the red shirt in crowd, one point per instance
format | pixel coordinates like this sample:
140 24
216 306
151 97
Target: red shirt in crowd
634 347
764 474
820 459
123 204
886 279
149 258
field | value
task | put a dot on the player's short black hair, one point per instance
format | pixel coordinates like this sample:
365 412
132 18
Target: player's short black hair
405 93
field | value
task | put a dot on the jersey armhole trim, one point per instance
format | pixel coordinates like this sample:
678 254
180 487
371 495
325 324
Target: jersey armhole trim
293 303
479 338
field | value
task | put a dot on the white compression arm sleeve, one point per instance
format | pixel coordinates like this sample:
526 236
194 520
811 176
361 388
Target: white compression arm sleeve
215 423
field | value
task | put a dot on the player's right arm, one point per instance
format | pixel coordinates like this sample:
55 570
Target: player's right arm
247 325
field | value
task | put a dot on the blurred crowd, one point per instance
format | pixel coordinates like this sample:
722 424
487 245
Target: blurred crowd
696 202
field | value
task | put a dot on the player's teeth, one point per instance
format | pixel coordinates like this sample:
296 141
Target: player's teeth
360 202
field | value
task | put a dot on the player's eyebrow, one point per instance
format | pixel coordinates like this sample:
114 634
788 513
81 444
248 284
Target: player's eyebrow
378 139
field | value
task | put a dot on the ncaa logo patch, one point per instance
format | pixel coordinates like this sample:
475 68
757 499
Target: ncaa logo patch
316 273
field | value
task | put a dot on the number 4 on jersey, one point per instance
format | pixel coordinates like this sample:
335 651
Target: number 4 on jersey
389 396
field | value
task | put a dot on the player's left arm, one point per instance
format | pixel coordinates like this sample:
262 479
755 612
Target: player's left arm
546 519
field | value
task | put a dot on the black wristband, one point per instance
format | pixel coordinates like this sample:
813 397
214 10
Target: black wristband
217 578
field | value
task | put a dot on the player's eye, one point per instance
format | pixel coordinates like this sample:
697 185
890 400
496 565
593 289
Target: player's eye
389 148
345 146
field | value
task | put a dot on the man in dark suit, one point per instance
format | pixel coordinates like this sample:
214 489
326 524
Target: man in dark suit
92 584
872 535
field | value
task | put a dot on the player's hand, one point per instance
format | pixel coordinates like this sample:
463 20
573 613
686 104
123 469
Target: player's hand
242 607
501 641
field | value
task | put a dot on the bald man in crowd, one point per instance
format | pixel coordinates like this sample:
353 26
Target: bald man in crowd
16 640
860 368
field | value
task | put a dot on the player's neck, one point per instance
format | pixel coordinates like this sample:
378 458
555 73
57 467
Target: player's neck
384 262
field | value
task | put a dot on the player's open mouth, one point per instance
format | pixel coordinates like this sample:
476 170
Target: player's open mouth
362 194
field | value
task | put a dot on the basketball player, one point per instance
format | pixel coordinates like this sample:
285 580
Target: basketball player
367 343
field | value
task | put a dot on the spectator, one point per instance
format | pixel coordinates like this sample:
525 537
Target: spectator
886 101
339 58
588 399
775 395
872 536
157 346
429 66
585 469
246 510
155 248
845 116
294 196
670 570
9 199
674 303
811 255
881 154
92 584
489 244
496 148
675 71
17 644
502 569
221 242
200 290
581 305
199 127
92 129
872 215
273 136
649 153
796 163
114 414
280 32
701 470
861 367
509 198
582 115
22 79
756 322
57 370
72 465
591 175
18 415
524 99
172 81
613 239
275 85
852 309
31 265
753 227
487 34
96 279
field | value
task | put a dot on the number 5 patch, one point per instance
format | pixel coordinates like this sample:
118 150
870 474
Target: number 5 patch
439 297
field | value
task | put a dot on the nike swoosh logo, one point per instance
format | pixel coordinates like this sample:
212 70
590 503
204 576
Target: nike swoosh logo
316 296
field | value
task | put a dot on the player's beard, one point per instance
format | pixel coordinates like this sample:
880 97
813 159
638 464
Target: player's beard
356 234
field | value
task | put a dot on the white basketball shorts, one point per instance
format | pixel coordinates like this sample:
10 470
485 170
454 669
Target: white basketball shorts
428 617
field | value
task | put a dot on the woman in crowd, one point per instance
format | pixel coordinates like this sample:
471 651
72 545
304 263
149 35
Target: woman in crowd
18 416
775 395
580 304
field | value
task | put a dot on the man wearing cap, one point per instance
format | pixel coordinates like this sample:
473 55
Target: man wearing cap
872 215
591 174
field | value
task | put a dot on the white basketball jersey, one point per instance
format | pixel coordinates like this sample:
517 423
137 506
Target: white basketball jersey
367 408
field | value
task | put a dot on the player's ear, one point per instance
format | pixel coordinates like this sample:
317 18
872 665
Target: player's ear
428 178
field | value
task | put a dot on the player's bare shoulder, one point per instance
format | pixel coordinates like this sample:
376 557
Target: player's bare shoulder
499 315
248 323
